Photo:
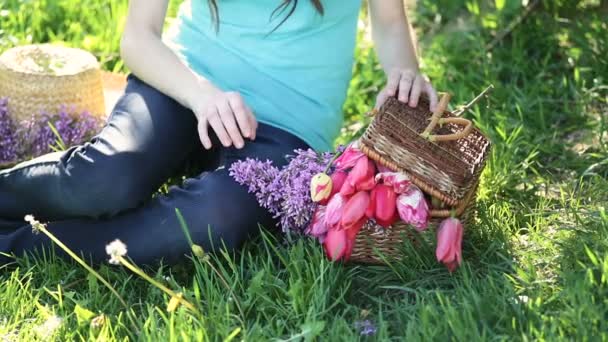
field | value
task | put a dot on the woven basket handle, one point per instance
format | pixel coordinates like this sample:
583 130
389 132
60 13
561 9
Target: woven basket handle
437 119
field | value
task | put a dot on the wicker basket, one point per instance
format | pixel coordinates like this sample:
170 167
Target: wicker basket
444 162
40 78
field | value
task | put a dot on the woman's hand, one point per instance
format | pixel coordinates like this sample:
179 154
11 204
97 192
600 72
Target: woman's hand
229 117
407 85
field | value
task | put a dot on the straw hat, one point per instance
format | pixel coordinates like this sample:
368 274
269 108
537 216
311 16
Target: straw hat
40 78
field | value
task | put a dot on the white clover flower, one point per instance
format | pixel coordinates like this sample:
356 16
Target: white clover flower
116 249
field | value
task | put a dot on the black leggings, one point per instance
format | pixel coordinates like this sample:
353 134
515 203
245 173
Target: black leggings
101 191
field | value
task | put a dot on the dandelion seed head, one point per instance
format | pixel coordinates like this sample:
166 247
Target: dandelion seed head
115 250
49 327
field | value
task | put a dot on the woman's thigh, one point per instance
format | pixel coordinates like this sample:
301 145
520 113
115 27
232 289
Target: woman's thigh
147 137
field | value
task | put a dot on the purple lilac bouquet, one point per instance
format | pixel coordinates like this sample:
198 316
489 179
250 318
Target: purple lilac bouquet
44 133
285 192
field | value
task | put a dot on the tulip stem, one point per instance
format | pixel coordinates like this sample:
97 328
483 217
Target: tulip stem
333 159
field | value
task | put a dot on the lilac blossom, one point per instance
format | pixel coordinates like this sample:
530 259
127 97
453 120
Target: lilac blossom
284 192
259 177
297 205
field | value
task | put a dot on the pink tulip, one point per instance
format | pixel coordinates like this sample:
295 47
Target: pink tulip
347 189
354 210
413 209
361 177
351 236
398 180
449 243
348 158
385 205
359 171
318 226
371 208
369 181
336 245
333 212
337 178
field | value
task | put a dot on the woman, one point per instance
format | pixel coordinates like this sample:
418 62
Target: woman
241 78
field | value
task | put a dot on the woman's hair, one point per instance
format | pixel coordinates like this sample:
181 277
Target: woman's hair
291 4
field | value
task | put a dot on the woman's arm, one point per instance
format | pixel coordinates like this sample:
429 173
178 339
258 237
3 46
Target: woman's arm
395 48
152 61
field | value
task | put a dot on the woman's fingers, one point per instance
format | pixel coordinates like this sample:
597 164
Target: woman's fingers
430 91
411 84
381 98
227 115
416 90
405 86
203 133
393 82
218 127
254 124
242 115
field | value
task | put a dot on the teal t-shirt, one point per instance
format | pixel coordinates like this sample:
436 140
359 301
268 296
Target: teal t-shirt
294 78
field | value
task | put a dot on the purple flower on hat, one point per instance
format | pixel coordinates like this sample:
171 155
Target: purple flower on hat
8 134
34 137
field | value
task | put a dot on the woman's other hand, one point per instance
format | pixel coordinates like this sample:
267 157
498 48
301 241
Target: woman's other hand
229 117
407 85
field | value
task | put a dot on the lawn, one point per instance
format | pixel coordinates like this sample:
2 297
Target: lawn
536 258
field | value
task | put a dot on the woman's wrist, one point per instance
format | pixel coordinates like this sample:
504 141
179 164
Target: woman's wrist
201 95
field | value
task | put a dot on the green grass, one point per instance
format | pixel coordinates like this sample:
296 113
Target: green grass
536 259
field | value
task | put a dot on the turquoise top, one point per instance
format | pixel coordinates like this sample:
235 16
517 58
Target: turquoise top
294 78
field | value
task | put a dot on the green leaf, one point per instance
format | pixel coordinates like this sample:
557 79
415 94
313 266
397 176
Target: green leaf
592 256
312 329
500 4
83 315
60 144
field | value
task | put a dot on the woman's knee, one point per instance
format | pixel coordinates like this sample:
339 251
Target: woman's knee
106 186
226 215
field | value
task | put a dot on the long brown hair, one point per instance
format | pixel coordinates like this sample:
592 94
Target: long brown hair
291 4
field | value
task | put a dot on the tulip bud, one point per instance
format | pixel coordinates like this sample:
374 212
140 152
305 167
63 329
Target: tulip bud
337 180
371 208
361 177
354 210
333 212
398 180
449 243
320 187
385 205
318 225
348 158
335 244
347 189
369 181
413 209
